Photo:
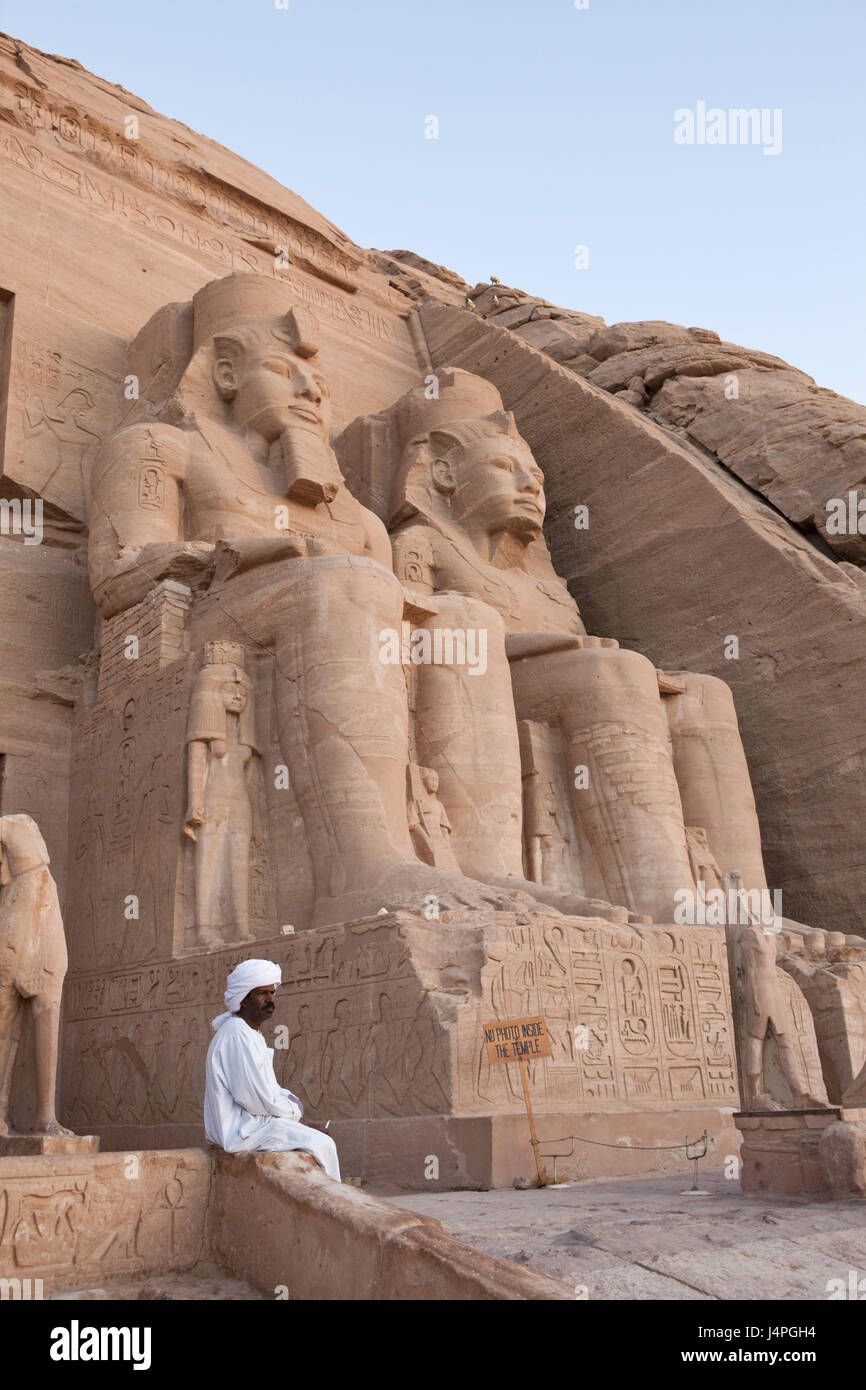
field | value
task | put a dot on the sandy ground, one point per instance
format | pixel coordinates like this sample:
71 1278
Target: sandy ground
641 1238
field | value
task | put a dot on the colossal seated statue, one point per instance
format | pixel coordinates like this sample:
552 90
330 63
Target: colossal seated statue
230 486
644 753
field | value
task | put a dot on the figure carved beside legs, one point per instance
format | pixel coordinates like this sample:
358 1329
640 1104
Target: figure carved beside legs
221 743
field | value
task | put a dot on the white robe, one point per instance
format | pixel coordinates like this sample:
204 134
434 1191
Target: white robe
245 1108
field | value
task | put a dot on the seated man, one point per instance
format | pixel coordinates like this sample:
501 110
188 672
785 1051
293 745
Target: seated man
244 1108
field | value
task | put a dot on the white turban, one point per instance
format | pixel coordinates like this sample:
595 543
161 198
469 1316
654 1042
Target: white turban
250 974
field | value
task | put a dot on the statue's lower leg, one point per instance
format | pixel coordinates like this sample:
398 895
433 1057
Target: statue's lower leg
209 871
239 855
466 730
713 776
46 1029
790 1063
344 732
10 1035
756 1097
624 790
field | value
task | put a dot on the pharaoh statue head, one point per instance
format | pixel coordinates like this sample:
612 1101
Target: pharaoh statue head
265 355
243 355
448 455
463 461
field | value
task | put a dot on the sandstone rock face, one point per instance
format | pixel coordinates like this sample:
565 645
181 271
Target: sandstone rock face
800 446
293 660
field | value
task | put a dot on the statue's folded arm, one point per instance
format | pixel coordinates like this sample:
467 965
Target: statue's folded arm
136 528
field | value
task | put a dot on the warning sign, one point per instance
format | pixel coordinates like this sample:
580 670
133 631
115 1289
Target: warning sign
522 1039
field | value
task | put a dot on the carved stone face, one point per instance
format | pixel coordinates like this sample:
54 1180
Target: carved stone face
234 696
272 391
498 483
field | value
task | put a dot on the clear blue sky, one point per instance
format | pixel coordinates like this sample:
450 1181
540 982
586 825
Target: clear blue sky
555 130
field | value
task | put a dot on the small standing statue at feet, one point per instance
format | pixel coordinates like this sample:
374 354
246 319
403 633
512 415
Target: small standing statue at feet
429 825
765 1008
33 964
221 743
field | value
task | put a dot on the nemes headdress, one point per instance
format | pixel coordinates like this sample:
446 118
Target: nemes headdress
236 301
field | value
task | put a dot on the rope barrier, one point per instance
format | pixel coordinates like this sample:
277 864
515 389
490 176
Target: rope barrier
643 1148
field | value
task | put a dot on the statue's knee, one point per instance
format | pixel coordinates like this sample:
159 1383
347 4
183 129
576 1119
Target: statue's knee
706 699
627 678
458 610
338 585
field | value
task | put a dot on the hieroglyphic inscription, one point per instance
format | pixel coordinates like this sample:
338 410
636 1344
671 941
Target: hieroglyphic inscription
116 1217
106 149
361 1031
646 1022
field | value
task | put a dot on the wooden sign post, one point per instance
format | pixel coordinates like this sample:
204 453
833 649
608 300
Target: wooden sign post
514 1041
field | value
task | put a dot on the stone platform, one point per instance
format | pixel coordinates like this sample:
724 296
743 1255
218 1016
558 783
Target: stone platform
819 1153
23 1145
379 1030
442 1153
72 1222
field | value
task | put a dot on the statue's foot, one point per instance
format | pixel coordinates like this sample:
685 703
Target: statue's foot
856 1092
52 1128
570 904
763 1101
4 1129
209 938
410 886
806 1101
